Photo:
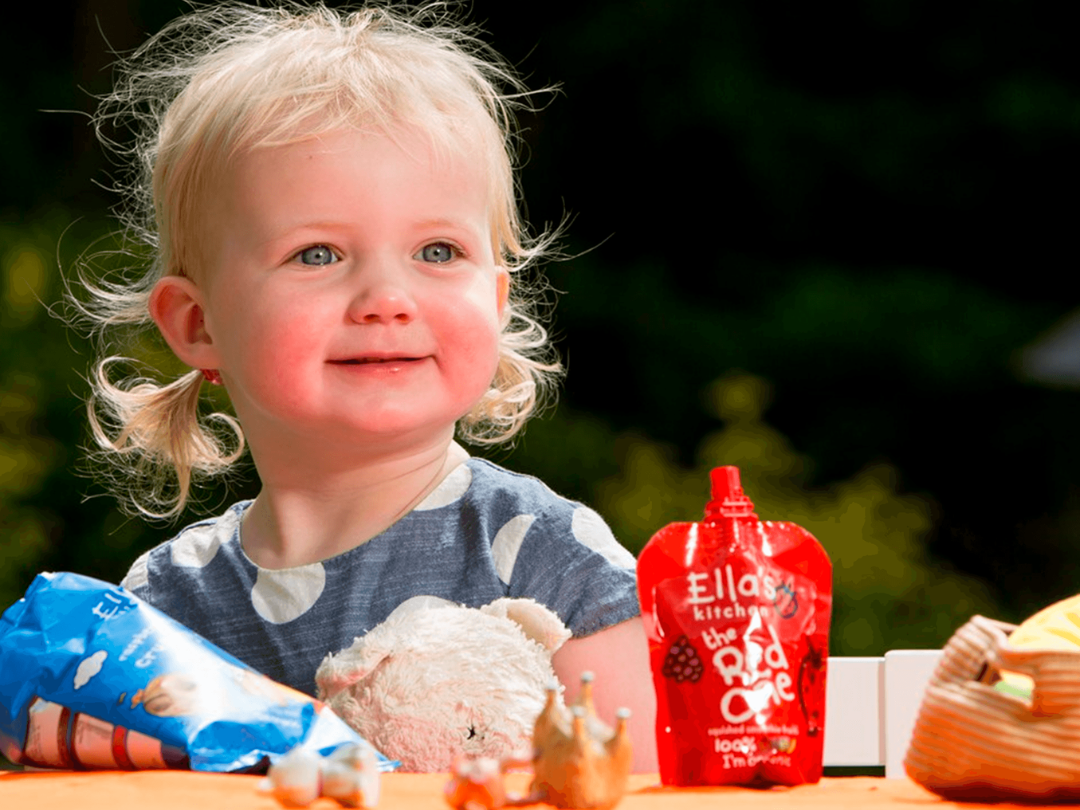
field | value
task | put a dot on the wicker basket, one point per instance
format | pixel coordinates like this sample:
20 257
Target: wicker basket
973 742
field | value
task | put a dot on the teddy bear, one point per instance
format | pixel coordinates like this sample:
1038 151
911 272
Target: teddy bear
438 681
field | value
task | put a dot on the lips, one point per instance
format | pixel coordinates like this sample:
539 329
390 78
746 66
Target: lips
378 360
363 361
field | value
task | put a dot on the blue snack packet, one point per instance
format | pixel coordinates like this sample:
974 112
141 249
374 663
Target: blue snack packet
93 677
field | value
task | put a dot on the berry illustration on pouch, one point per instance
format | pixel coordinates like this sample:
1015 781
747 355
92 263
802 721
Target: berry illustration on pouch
682 662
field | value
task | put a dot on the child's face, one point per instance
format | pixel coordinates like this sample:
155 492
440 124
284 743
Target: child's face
350 285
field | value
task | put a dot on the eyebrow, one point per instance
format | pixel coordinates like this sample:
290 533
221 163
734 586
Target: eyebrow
316 225
437 222
440 222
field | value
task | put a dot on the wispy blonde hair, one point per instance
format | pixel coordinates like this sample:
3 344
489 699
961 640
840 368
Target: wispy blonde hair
231 77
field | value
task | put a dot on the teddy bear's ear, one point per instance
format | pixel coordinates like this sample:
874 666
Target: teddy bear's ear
339 671
350 666
536 621
417 604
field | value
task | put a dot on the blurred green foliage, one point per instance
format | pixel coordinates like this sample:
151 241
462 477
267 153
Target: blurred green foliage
49 519
29 452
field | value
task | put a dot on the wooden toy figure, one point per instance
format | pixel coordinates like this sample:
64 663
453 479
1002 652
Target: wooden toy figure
579 761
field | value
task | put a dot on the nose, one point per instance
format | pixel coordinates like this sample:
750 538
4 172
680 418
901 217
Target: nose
382 295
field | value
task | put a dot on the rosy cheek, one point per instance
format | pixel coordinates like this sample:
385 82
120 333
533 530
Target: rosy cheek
289 344
277 347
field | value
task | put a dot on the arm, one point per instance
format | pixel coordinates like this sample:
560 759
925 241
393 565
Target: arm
619 658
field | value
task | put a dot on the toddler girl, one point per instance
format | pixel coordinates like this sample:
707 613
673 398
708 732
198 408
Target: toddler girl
330 202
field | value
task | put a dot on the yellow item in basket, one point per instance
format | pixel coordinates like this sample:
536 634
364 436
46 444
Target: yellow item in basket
1053 628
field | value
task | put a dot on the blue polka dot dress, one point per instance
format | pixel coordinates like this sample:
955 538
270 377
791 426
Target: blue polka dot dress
483 533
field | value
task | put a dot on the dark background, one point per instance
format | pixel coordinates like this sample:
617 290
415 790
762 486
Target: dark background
813 240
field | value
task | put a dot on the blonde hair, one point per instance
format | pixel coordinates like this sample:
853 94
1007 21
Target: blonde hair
230 77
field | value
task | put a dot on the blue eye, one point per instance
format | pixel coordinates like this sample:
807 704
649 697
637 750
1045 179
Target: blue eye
437 253
317 256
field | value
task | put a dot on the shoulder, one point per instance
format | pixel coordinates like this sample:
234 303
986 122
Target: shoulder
495 485
480 486
584 524
192 547
487 477
526 505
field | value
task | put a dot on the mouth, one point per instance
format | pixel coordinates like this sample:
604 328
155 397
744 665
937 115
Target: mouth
374 361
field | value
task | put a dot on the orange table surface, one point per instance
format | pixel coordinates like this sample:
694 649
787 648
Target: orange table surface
185 790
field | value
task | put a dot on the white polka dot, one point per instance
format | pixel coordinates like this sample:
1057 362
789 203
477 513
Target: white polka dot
590 530
507 544
450 489
196 547
281 596
138 575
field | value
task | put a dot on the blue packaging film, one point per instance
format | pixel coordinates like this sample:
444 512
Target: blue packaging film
93 677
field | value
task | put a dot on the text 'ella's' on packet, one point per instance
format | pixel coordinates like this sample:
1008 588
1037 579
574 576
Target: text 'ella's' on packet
93 677
737 614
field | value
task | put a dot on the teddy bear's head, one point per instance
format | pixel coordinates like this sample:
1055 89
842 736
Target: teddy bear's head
436 681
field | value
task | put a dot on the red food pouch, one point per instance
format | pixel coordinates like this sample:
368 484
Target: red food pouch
737 614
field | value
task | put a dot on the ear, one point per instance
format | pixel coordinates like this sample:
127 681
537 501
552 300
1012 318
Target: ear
338 672
176 305
502 288
536 621
403 613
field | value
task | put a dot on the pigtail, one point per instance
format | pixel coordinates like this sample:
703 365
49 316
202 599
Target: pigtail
155 440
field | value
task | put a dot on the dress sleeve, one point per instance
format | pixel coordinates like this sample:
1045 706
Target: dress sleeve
569 560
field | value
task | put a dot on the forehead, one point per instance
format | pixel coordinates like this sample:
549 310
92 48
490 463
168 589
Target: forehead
380 164
373 183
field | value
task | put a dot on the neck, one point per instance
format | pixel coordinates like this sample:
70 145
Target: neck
302 519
